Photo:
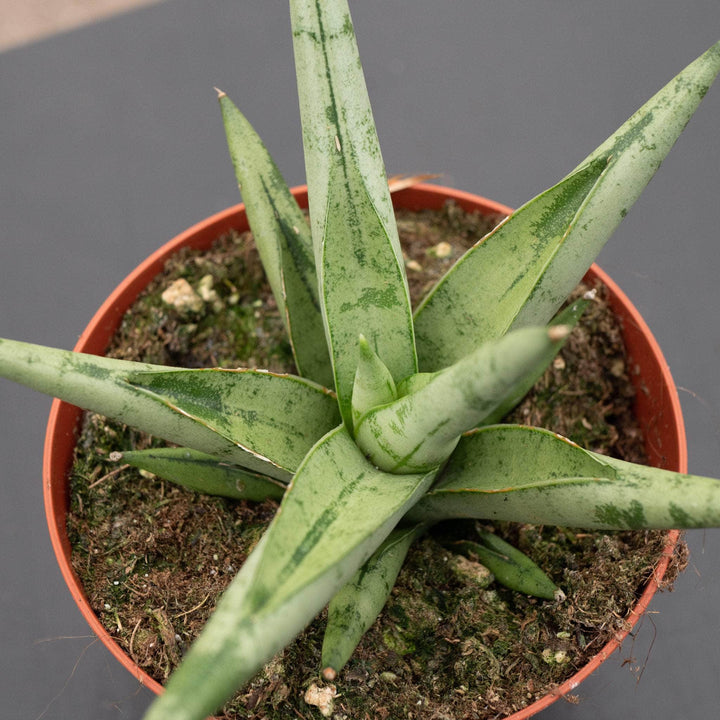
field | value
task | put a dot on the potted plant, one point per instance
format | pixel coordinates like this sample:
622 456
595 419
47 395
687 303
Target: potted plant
422 450
657 399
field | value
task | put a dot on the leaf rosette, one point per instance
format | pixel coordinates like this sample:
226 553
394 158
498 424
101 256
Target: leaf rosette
393 421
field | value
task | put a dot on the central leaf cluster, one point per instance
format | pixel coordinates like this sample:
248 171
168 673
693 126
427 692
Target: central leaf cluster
418 431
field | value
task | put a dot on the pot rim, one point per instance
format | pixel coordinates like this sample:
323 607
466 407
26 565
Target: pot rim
657 391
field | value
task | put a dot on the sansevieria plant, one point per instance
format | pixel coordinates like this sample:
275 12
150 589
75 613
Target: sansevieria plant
394 420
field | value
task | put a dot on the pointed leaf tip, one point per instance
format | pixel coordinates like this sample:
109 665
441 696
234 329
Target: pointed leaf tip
373 384
481 297
355 608
511 567
420 431
283 241
359 259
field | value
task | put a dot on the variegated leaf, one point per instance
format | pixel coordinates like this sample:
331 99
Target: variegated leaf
636 151
284 242
482 294
357 251
336 512
354 608
204 473
259 420
101 384
518 473
568 225
276 418
419 431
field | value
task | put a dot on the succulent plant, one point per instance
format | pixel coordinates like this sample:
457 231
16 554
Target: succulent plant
393 421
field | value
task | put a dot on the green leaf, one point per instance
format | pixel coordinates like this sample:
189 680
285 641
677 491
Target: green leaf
500 284
636 151
354 609
511 567
518 473
101 384
373 384
262 421
336 512
284 242
277 418
204 473
357 251
419 431
568 317
414 383
479 298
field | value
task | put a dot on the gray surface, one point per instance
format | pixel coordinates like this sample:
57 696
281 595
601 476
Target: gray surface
111 143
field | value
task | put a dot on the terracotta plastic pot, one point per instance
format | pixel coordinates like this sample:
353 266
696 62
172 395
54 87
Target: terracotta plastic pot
657 404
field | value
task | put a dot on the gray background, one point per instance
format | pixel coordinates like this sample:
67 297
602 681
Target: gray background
111 143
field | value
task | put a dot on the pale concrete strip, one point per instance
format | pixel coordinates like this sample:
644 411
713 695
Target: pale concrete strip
25 21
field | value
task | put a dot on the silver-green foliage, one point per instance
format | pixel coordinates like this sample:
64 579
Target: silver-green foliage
388 429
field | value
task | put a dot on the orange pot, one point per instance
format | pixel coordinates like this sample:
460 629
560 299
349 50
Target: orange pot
657 407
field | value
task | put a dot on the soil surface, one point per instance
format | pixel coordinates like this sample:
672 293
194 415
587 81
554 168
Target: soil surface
450 644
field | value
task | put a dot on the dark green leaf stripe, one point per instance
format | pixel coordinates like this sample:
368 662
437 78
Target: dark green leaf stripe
516 473
336 499
204 473
101 384
482 294
354 609
358 256
319 538
284 242
277 418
